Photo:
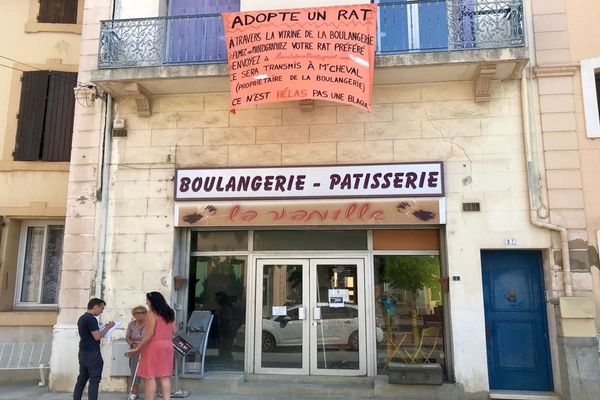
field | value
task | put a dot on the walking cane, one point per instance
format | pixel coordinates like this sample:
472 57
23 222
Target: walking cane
135 375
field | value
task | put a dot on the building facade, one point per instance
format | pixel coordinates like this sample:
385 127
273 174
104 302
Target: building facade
566 66
39 57
462 284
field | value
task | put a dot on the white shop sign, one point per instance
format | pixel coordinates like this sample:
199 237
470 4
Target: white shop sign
338 181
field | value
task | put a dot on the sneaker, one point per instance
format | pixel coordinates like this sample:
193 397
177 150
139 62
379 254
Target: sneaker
132 397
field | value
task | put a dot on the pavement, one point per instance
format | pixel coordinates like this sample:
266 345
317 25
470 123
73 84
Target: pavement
30 391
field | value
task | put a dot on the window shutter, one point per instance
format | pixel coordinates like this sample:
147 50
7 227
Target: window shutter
597 76
58 11
34 89
58 127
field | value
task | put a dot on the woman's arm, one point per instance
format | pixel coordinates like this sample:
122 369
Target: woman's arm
149 324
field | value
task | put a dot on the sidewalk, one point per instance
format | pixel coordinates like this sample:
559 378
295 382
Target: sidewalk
30 391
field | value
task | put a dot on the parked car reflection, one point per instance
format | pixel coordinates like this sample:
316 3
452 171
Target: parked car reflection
339 328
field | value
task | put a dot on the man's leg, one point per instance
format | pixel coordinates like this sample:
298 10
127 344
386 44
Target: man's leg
81 380
95 372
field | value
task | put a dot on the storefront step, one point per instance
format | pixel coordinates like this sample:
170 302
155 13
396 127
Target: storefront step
213 383
522 395
295 390
280 385
311 379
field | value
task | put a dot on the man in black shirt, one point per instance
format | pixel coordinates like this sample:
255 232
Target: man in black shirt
90 359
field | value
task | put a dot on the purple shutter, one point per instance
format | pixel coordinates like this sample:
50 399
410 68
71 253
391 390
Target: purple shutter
198 39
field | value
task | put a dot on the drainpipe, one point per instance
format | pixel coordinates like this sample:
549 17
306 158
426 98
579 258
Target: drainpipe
596 289
102 196
533 188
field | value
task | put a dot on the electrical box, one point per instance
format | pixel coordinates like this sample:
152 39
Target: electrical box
119 123
119 365
119 129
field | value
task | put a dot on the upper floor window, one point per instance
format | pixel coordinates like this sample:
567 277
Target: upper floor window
58 11
40 261
590 81
55 16
45 125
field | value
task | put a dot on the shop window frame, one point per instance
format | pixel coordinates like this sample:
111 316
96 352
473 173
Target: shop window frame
251 254
21 266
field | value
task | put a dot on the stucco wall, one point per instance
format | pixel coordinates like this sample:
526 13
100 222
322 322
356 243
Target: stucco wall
28 190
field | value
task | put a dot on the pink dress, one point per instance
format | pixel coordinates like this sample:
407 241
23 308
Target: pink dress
156 360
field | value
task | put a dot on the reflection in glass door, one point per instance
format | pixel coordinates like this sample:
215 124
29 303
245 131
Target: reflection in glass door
312 317
337 317
281 339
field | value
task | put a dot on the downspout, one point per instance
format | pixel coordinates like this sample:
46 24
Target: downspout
532 189
102 194
103 198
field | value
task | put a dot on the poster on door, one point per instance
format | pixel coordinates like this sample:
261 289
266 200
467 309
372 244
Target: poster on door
337 297
325 53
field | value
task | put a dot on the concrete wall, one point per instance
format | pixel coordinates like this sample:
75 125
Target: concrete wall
29 190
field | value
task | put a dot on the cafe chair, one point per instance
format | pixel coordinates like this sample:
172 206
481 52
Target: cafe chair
421 353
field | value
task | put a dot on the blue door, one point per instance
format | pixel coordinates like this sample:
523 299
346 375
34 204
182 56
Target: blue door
515 321
201 39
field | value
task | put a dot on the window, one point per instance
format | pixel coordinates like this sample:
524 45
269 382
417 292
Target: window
590 80
218 285
409 310
40 260
58 11
45 126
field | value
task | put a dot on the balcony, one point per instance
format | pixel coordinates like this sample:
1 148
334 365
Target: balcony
444 39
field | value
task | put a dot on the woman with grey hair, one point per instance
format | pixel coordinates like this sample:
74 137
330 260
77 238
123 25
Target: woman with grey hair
134 335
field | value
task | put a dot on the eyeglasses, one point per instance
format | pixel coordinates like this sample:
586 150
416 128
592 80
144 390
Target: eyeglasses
140 312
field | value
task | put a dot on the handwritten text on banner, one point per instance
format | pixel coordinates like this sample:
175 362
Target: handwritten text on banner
304 53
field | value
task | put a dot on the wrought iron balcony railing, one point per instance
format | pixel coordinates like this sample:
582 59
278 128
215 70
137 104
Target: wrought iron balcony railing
403 26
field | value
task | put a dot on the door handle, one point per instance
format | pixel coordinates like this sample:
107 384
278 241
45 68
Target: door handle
301 313
317 313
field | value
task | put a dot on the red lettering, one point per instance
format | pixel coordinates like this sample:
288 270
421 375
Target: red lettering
321 215
350 211
377 215
233 211
299 215
362 211
277 215
249 215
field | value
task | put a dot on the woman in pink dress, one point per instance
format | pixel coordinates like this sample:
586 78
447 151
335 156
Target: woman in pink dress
156 347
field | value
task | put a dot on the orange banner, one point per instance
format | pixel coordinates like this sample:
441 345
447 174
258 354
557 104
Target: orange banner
323 53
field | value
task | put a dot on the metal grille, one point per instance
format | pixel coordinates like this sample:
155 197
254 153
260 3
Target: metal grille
485 24
403 26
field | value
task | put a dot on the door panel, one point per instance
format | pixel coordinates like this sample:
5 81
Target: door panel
392 26
281 296
515 318
337 345
433 25
303 327
202 39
